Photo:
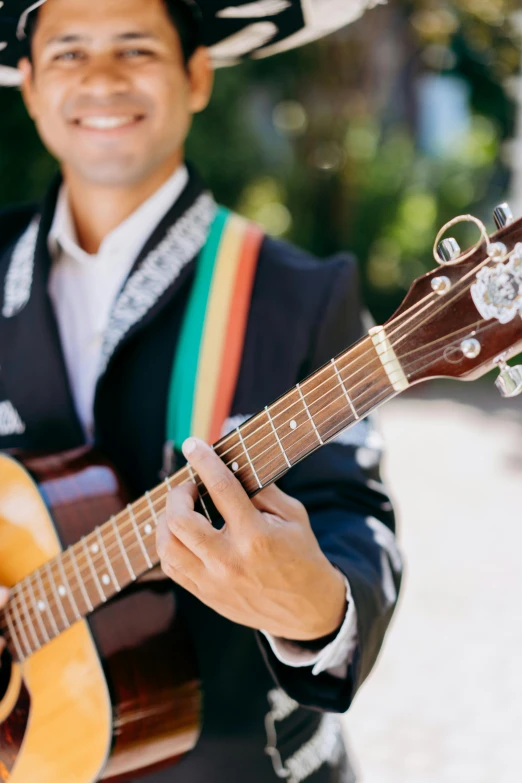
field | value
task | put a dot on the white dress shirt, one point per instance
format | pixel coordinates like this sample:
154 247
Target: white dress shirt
83 288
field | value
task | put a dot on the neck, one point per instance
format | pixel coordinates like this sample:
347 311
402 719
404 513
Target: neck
259 452
97 209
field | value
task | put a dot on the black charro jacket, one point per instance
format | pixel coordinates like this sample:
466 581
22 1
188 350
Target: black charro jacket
303 312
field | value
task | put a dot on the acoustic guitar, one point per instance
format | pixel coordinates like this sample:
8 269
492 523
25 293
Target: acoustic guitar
98 679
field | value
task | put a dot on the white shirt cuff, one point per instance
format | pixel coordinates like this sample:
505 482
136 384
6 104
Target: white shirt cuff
334 658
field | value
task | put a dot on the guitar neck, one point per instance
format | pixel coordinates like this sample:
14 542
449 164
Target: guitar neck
259 452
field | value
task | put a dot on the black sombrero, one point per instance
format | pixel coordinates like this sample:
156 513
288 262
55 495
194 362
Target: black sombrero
233 29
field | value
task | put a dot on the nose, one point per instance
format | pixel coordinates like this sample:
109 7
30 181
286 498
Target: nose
103 78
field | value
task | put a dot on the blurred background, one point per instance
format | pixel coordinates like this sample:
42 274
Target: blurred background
369 141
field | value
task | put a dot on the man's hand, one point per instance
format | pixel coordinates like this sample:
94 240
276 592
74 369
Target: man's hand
263 569
4 598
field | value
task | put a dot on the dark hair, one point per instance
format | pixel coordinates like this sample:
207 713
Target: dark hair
183 13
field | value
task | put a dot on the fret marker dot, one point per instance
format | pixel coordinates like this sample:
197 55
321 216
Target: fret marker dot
235 467
148 529
41 606
95 549
62 591
293 424
106 579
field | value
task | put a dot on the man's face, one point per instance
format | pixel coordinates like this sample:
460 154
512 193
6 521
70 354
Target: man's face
108 88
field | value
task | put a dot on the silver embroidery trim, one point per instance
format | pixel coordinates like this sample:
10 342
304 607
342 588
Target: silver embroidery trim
10 421
325 746
19 278
158 272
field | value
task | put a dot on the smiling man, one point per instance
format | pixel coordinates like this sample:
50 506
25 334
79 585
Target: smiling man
288 601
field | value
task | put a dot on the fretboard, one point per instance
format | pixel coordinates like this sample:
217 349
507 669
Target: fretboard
92 571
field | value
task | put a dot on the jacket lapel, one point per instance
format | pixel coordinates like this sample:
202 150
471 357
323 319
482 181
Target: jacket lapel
160 268
38 409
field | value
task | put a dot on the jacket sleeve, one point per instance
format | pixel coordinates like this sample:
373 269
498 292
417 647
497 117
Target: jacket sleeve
350 512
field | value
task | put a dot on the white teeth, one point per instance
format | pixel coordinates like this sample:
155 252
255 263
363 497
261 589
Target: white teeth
105 123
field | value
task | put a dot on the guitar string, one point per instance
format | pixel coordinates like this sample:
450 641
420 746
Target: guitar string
375 402
327 436
443 305
114 545
82 560
423 347
265 424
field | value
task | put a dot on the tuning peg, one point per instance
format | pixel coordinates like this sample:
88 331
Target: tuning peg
448 250
509 382
503 216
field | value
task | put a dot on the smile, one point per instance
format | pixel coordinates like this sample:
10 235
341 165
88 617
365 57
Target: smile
108 123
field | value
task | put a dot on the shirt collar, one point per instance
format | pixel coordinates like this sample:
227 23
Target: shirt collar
128 238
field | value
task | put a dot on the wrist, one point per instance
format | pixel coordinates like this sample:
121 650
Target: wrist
336 605
329 611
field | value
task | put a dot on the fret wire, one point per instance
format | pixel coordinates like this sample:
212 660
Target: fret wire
277 437
21 624
151 506
56 595
37 612
122 549
138 534
200 494
14 637
25 609
350 403
72 558
67 586
248 457
298 387
45 600
93 570
107 560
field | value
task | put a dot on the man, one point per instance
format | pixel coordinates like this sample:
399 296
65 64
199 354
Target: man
299 585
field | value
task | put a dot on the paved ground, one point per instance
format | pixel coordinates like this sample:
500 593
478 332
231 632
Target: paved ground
444 704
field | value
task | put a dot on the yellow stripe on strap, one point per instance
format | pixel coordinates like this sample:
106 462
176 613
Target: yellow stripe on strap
216 321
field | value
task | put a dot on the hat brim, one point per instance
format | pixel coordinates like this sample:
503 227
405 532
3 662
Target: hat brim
232 29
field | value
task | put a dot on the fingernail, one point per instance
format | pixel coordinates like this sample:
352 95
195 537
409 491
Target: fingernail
189 446
4 593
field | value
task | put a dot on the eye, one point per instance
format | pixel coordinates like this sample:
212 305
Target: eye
132 54
71 56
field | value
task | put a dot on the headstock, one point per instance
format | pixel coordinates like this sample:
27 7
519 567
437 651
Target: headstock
465 317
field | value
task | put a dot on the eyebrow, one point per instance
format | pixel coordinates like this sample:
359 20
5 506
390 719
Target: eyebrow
76 38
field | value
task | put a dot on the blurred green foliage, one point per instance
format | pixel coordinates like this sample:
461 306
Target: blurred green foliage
324 145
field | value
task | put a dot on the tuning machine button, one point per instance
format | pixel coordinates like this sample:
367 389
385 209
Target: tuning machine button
509 382
441 285
470 348
448 250
503 216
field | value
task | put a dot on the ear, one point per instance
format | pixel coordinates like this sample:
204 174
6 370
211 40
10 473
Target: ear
27 86
201 79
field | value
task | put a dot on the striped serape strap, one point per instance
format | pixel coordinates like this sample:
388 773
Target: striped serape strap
210 347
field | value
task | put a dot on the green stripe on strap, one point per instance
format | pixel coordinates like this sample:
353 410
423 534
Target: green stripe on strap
185 369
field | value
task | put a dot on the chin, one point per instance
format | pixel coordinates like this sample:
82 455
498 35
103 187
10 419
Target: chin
112 173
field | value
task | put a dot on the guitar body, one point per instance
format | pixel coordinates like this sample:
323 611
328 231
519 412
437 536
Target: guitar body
110 697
